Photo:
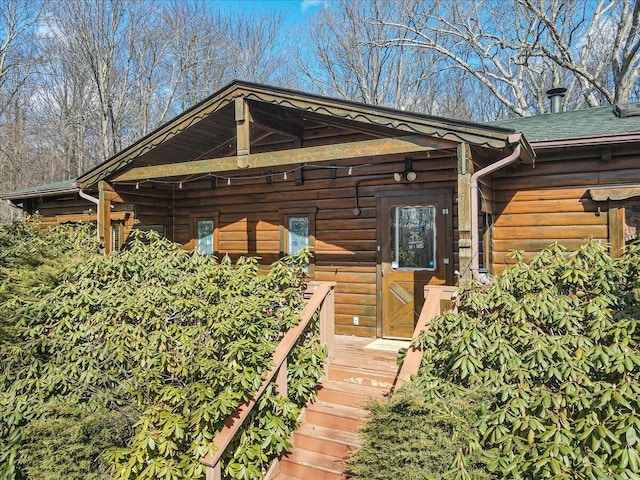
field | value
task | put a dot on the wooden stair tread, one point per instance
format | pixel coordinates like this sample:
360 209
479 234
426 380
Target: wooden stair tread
328 435
364 390
352 394
362 376
366 362
338 410
315 460
331 434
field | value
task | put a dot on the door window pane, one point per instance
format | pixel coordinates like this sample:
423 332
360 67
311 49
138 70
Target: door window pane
298 238
204 236
413 238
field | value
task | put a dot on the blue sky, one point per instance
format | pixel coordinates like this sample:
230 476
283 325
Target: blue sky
295 11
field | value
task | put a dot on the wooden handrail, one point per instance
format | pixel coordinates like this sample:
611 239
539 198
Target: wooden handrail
322 301
434 294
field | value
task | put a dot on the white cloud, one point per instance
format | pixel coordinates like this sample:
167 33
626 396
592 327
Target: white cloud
307 4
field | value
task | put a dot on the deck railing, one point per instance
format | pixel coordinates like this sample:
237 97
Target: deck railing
434 296
321 301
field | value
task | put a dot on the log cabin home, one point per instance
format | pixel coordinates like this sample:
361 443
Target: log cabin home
388 201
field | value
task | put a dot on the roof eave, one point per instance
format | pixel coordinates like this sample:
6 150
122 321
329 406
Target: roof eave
12 196
586 141
489 137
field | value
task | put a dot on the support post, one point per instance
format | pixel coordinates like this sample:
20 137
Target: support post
104 216
243 140
465 170
281 380
616 230
213 473
327 327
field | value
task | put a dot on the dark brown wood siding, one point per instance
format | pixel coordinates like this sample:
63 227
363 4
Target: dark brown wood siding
248 215
535 207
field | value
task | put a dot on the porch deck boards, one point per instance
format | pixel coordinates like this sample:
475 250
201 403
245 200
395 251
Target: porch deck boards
350 352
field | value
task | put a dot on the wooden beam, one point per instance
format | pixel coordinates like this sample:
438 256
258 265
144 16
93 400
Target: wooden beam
616 228
104 215
465 170
341 151
243 139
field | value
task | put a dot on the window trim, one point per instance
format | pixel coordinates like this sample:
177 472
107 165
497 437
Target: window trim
310 213
215 217
394 237
117 234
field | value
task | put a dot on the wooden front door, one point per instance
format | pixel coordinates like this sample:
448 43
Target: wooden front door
415 248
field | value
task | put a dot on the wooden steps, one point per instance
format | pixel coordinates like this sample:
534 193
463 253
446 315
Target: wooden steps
328 435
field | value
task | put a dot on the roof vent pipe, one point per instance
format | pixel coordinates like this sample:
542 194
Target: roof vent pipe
556 95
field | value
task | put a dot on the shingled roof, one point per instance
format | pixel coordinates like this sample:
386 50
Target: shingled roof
50 189
586 123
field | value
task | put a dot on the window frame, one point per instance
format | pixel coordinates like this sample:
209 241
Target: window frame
310 213
213 217
394 244
117 234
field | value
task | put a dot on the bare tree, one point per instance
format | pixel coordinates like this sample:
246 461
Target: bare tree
18 20
99 38
252 49
18 58
598 43
518 49
86 77
351 56
194 62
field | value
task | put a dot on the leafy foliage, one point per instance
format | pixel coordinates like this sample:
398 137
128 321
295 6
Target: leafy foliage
159 343
411 438
31 257
556 342
67 442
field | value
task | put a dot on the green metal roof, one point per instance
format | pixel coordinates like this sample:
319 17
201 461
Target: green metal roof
590 122
49 189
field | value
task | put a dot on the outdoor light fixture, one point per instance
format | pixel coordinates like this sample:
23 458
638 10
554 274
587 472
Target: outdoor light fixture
408 173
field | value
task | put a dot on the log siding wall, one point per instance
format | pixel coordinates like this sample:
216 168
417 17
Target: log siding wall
535 207
248 213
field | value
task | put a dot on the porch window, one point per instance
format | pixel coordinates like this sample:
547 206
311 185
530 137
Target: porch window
413 238
298 232
116 236
204 236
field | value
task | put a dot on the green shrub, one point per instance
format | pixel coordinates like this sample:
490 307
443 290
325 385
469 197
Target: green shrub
32 261
178 339
556 343
410 438
68 443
